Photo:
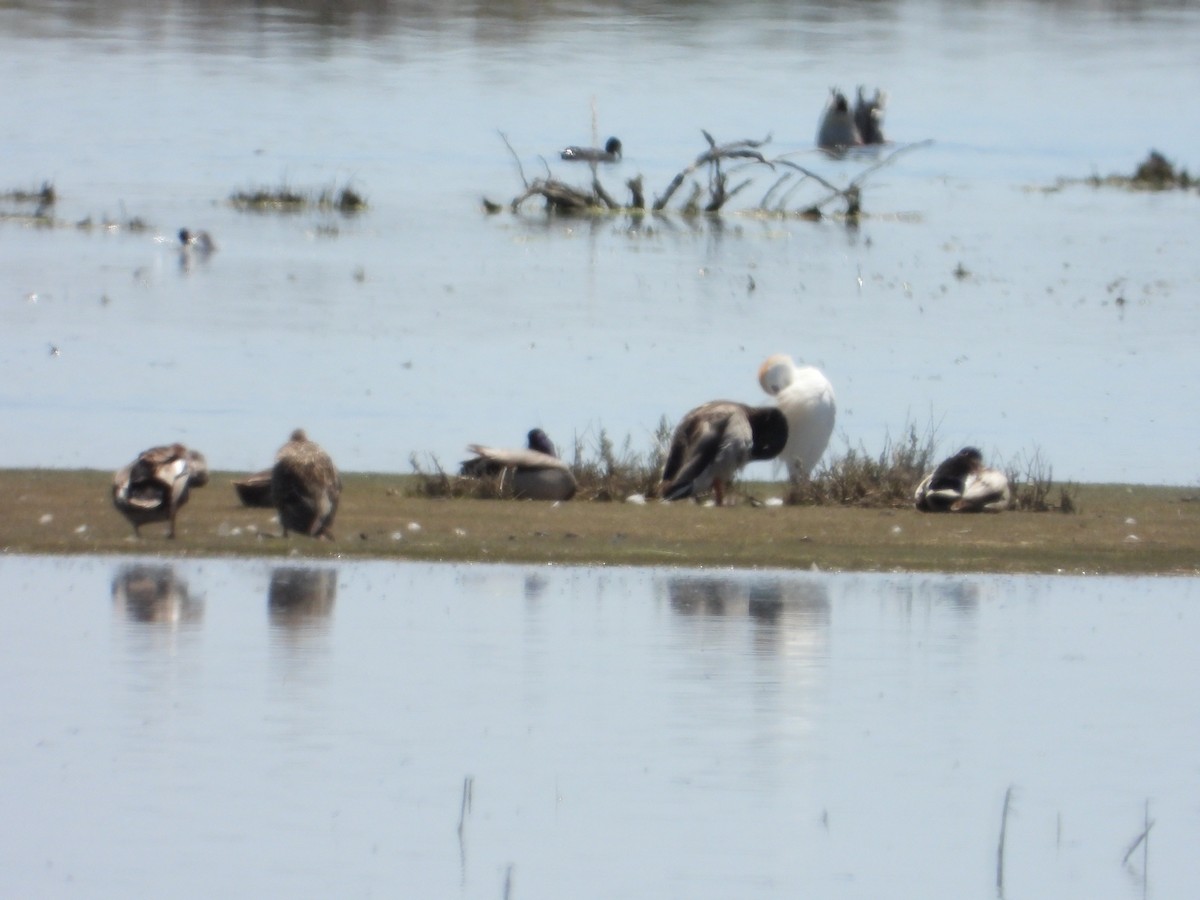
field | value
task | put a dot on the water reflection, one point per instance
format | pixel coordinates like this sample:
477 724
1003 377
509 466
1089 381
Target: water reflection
154 593
787 613
301 599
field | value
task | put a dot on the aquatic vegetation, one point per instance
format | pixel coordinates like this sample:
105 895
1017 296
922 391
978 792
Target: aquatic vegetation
858 478
43 196
286 199
719 162
1154 173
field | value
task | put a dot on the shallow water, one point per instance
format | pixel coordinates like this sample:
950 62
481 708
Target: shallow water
423 325
196 728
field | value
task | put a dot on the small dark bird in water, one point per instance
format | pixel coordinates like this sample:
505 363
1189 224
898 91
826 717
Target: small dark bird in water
199 241
535 473
868 116
961 483
713 442
837 130
610 153
155 486
305 487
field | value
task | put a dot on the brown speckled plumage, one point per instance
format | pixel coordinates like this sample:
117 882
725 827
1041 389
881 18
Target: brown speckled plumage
305 487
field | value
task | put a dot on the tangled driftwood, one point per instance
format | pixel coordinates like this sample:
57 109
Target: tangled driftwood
710 198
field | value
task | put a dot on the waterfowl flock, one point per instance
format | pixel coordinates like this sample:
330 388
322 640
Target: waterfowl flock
709 447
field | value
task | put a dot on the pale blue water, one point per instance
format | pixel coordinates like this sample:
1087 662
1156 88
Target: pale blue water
423 325
199 728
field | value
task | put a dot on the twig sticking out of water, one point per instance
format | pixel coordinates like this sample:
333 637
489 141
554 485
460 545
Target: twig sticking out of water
852 193
508 882
516 159
1000 848
465 807
743 149
1143 841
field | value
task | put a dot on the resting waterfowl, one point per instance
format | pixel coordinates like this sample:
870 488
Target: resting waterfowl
868 116
962 483
837 129
610 153
534 473
805 397
255 490
713 442
305 487
155 486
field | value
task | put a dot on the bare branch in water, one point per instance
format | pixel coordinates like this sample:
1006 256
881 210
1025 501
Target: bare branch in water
517 159
744 149
637 200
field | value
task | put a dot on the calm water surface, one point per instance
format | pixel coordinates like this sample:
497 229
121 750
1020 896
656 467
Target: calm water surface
423 325
203 728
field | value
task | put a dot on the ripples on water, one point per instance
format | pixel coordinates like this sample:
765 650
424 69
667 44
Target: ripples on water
204 727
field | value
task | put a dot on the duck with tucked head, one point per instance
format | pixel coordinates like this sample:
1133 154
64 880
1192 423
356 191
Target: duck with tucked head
611 152
715 441
155 486
534 473
305 487
805 397
962 483
837 130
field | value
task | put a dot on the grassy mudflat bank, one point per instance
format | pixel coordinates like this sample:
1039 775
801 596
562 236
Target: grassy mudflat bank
1117 529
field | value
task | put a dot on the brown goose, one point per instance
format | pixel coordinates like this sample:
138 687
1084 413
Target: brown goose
714 441
154 486
305 487
536 472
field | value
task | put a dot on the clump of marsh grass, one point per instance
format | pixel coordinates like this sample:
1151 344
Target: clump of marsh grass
41 199
613 475
1154 173
858 478
286 199
42 196
1031 480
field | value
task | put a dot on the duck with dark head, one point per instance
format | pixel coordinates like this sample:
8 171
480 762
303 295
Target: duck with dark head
610 153
962 483
715 441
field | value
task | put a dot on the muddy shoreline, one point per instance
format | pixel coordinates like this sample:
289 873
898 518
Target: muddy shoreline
1118 529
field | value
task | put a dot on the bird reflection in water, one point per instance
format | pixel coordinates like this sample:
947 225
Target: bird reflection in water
784 610
301 597
150 593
